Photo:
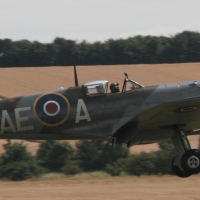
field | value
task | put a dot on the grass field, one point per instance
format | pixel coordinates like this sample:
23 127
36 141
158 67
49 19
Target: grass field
106 188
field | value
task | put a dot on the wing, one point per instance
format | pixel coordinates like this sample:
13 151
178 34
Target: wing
184 113
159 122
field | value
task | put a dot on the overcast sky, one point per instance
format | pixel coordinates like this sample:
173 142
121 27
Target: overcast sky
95 20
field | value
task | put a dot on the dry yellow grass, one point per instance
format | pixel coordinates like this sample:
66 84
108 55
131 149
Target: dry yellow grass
21 81
118 188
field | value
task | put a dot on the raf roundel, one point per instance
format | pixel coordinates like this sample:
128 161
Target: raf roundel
51 109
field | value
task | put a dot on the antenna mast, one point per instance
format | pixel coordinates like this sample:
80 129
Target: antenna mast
75 76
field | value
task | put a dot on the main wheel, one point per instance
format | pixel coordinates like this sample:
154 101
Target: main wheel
190 161
179 171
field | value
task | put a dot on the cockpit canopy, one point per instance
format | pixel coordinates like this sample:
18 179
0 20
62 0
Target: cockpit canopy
96 88
100 87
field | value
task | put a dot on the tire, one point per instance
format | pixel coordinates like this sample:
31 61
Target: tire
179 171
190 161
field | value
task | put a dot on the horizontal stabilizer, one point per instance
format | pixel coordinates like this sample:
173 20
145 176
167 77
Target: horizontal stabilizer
3 97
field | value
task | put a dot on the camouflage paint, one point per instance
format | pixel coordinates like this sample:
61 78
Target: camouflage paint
143 115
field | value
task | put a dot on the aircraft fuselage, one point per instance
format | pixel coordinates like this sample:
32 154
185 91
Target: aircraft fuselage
70 114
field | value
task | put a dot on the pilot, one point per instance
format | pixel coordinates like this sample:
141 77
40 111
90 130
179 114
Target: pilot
99 89
114 87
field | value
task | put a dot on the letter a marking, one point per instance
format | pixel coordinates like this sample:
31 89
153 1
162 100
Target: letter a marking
82 107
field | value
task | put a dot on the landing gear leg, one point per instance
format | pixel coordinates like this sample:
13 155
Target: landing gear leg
113 142
187 161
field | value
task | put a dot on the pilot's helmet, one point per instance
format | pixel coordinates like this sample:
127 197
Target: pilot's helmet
114 87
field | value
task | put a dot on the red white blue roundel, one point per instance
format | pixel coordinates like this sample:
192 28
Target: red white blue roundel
51 109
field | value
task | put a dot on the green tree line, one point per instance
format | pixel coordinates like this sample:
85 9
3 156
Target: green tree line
16 163
182 47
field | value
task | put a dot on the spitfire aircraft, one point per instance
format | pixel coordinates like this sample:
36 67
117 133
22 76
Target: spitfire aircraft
136 115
